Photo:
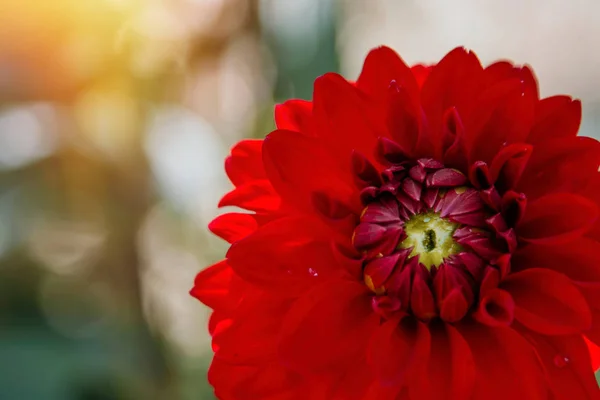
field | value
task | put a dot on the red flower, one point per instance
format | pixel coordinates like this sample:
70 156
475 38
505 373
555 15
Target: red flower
423 233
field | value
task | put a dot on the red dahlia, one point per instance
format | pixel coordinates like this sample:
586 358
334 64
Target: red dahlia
422 233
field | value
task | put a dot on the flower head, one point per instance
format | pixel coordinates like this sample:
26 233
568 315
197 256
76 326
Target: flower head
422 233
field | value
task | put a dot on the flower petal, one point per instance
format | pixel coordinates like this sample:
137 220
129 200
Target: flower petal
547 302
298 251
211 286
451 83
299 166
450 372
265 381
578 259
342 119
501 358
397 350
496 308
508 165
557 116
233 226
257 195
251 337
557 218
502 115
245 162
560 165
568 366
328 327
294 115
382 66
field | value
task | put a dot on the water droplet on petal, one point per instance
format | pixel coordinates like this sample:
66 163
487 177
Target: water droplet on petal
313 272
561 361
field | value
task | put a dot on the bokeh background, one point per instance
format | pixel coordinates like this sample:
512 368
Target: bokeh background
115 118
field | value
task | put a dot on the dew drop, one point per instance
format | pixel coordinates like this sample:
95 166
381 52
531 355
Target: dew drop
561 361
313 272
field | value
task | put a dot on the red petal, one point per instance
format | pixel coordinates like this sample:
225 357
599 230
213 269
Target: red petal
503 115
217 322
557 218
508 165
555 117
397 350
327 327
364 170
568 366
382 66
547 302
421 299
211 286
342 118
560 165
454 306
298 166
450 372
287 255
451 83
257 195
496 308
404 119
353 385
454 138
265 381
252 336
421 72
294 115
233 226
594 351
245 162
578 259
503 70
506 364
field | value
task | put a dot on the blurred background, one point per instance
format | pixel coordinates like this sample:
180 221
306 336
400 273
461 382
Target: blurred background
115 118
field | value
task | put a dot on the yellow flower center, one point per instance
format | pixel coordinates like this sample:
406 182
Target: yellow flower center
430 237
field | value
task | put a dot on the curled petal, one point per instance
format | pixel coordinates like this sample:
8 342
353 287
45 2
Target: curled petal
496 308
508 165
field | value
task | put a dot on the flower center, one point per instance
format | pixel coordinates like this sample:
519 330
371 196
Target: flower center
430 238
427 238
